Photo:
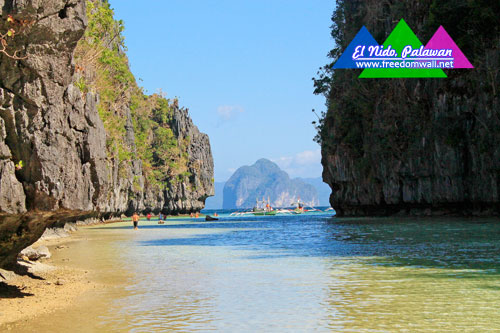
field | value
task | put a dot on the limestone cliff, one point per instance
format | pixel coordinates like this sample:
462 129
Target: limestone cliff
55 129
414 146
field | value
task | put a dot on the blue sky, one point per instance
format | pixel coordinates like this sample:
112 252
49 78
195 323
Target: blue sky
243 68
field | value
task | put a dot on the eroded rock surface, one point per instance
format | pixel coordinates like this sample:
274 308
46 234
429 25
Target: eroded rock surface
55 130
415 146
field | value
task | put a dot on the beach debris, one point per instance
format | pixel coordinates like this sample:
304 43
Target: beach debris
60 282
7 275
35 253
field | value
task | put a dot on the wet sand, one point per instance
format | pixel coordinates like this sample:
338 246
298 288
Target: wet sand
76 274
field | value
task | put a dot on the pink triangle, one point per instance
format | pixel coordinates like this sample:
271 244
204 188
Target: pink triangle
441 40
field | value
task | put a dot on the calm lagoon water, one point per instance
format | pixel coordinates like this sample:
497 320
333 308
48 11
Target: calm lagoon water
296 273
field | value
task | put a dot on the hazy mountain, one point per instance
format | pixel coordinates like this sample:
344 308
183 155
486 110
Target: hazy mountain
323 189
265 179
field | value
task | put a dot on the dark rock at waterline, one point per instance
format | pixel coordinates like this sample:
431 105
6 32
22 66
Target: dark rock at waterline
55 129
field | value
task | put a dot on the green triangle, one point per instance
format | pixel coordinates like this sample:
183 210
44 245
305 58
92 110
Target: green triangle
401 36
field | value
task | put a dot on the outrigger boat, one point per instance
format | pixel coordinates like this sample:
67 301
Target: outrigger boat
299 209
267 210
262 209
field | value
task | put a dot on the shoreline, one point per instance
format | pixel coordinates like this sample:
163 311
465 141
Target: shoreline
54 283
71 273
169 285
57 283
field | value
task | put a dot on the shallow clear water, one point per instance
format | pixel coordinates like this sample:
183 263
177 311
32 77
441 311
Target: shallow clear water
298 273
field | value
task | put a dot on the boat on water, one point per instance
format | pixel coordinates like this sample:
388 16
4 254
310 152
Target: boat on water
261 210
261 213
264 209
299 207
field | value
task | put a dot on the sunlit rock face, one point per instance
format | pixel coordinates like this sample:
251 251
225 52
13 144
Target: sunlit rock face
55 130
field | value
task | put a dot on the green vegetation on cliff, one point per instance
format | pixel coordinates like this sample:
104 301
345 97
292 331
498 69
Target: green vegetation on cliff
474 26
395 145
103 68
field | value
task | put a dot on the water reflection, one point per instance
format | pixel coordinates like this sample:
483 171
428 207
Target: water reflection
418 275
353 274
414 242
304 273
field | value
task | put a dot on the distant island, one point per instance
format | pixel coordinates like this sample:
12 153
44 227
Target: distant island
265 179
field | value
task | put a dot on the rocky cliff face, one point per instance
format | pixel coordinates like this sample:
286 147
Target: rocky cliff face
415 146
189 195
55 129
265 180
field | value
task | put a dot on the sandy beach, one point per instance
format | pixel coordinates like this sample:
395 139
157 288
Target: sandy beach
71 275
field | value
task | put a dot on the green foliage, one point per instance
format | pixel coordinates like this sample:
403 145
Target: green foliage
102 27
161 112
82 85
19 165
136 185
105 70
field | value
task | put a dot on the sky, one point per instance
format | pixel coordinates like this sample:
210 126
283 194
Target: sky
243 68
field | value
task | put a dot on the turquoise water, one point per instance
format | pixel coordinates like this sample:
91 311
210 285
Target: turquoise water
305 273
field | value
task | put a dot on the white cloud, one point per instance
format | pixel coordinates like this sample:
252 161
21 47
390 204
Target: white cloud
303 164
308 157
228 112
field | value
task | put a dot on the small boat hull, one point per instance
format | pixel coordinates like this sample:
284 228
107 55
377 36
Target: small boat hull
270 213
